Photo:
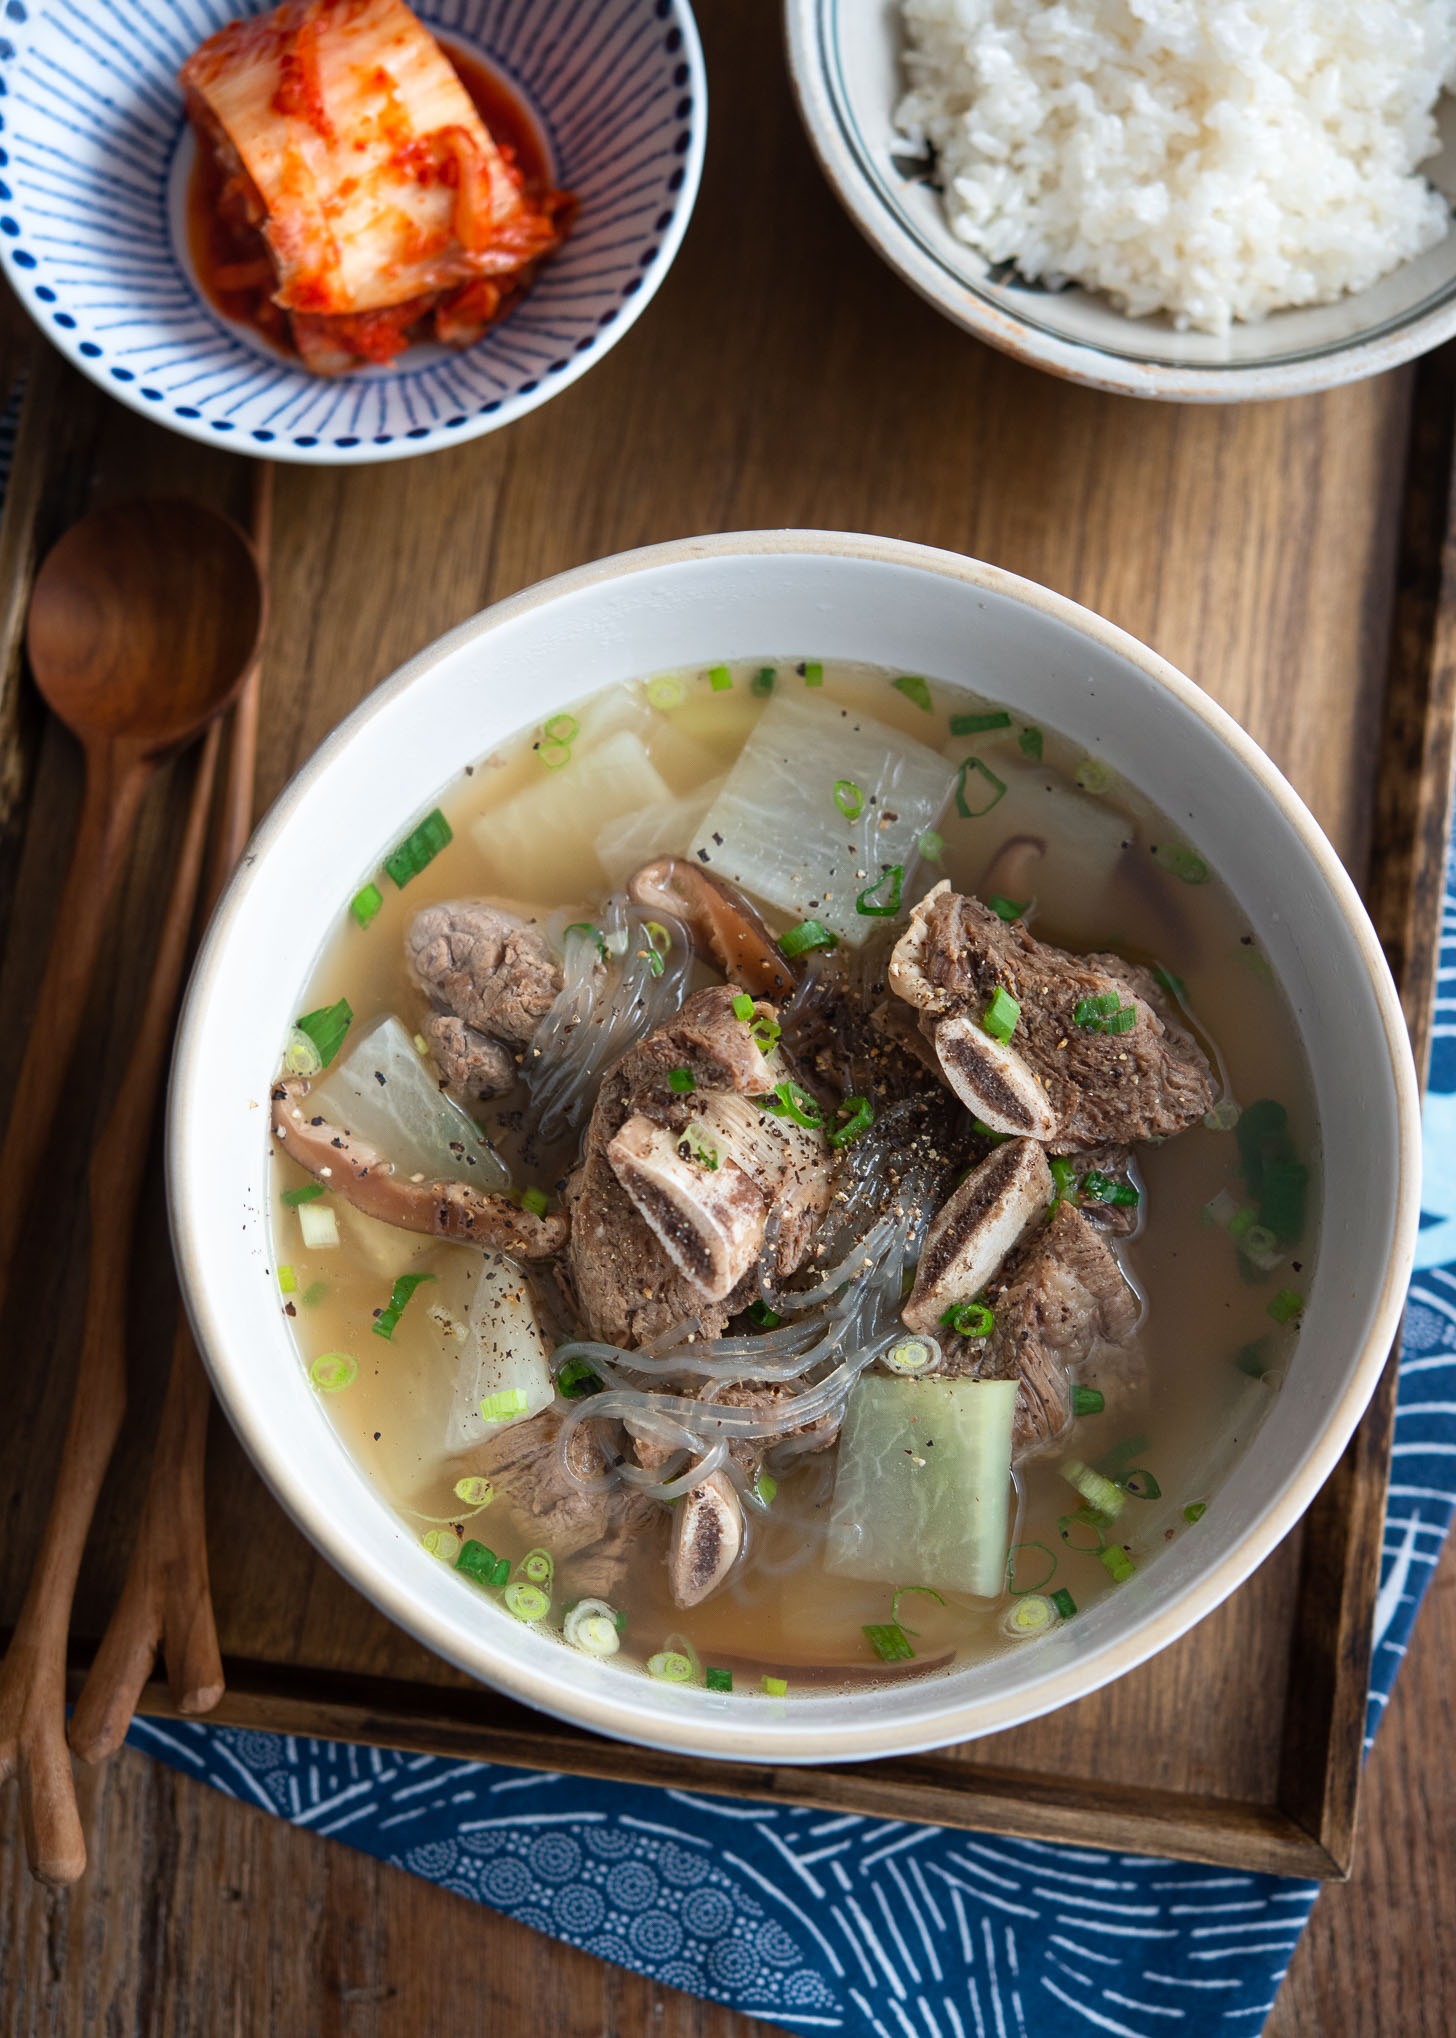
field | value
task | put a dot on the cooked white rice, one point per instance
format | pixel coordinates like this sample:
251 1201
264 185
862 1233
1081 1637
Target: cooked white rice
1214 159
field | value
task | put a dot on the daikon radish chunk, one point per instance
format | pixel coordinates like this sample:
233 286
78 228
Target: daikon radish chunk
922 1491
502 1374
820 802
550 826
389 1096
626 844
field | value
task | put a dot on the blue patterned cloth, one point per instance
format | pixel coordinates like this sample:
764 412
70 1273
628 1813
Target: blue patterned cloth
822 1923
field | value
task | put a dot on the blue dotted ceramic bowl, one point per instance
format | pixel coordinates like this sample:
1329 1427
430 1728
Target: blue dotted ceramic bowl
94 161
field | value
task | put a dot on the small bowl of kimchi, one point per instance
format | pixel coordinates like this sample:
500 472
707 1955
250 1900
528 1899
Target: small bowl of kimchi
343 231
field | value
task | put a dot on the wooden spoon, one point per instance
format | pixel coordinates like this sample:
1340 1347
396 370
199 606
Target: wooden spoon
143 623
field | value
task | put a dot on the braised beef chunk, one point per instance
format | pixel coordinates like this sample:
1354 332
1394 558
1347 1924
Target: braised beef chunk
1105 1078
1057 1300
596 1534
670 1206
491 978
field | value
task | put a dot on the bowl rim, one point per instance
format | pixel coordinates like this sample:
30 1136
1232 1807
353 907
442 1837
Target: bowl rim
70 342
842 158
702 1734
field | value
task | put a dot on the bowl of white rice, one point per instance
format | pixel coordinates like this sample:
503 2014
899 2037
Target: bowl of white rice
1200 200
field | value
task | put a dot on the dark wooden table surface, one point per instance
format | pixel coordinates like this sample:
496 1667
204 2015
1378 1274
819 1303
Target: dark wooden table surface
783 377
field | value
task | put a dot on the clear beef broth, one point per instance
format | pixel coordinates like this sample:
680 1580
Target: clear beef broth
1209 1349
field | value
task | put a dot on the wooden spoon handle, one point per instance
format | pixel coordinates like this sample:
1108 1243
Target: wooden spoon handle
33 1674
166 1602
116 778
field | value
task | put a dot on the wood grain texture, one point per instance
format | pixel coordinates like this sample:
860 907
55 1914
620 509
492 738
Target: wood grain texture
783 377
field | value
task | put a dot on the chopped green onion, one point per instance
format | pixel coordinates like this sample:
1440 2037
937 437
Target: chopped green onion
1142 1485
969 1319
1100 1188
670 1666
977 725
719 678
659 941
420 847
869 901
1088 1401
788 1100
536 1201
848 798
763 1316
1030 744
1099 1493
914 689
901 1591
1009 910
1174 986
1020 1591
333 1372
716 1679
1263 1139
474 1491
1000 1016
860 1118
1242 1221
681 1081
808 934
1122 1021
399 1295
318 1227
1123 1453
1093 776
326 1028
1183 862
667 691
441 1542
589 933
1084 1524
931 845
313 1294
912 1356
1223 1117
983 1131
1064 1178
765 1033
889 1642
1118 1565
1033 1615
503 1404
1195 1510
366 903
539 1566
1287 1306
813 673
300 1056
765 1488
1282 1199
309 1193
527 1602
560 728
501 1571
1252 1360
1092 1011
994 790
776 1687
742 1006
763 680
553 756
1260 1249
577 1378
591 1626
1221 1209
287 1280
477 1562
1064 1603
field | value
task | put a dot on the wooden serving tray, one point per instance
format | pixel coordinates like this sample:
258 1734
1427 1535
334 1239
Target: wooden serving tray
1296 558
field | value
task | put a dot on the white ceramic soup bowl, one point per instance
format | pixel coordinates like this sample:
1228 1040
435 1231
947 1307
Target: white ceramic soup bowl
782 594
846 67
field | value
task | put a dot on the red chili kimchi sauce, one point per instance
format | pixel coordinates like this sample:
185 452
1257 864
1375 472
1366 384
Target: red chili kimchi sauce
229 256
